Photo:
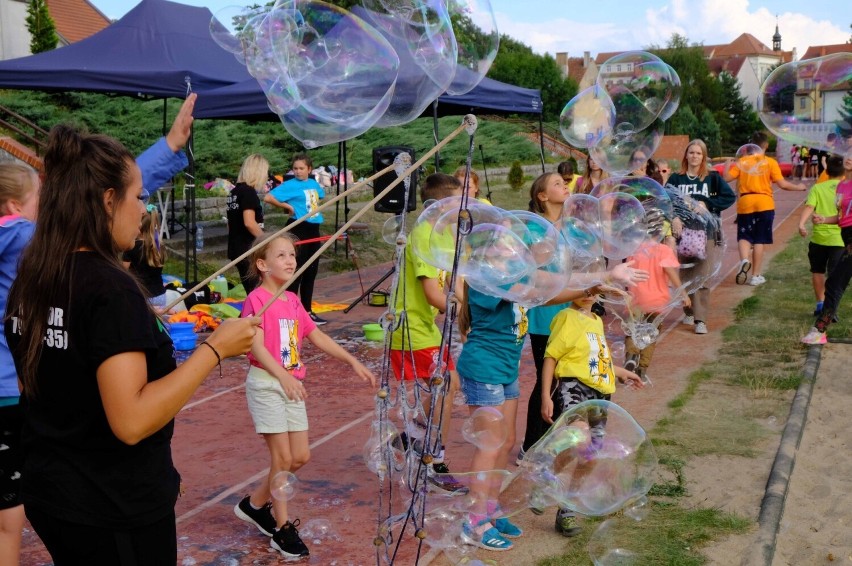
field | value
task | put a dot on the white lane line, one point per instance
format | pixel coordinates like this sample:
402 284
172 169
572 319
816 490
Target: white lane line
238 488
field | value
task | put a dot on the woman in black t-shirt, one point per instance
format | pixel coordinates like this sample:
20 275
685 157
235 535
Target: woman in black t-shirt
245 214
100 384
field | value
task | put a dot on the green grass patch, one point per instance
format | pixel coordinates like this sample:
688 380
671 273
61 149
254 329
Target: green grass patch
668 535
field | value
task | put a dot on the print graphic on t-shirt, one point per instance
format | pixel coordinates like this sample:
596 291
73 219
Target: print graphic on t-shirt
289 332
521 324
600 361
311 200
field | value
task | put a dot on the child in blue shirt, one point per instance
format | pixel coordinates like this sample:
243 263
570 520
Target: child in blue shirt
300 196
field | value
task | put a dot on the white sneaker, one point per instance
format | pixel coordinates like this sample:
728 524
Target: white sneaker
700 328
757 280
689 320
814 336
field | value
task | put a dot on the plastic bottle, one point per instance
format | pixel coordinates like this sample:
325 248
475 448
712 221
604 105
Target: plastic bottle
199 237
220 285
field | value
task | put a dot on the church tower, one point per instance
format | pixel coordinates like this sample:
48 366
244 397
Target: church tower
776 39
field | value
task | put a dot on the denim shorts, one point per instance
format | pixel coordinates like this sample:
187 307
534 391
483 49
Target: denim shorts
478 394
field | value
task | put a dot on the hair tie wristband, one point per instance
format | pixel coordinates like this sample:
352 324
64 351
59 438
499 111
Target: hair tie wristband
218 357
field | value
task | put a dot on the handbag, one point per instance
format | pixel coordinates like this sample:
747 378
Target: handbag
692 243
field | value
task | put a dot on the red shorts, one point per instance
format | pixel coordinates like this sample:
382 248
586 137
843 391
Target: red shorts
424 362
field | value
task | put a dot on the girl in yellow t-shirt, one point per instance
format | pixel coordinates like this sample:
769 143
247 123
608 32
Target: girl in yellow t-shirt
578 357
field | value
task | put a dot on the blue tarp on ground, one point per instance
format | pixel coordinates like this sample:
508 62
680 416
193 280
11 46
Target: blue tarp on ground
148 52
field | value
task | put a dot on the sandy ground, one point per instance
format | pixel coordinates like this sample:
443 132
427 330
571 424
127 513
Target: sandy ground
816 527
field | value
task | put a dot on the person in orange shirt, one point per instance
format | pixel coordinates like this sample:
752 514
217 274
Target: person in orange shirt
756 207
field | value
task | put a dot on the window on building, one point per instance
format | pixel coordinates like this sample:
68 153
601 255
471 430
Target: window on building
802 103
618 68
807 84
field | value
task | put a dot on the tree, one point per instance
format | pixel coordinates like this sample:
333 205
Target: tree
737 120
517 64
516 176
41 27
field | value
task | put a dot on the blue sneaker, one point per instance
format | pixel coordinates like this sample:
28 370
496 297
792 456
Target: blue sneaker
507 528
484 535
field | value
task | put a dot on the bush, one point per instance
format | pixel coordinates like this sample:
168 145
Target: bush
516 176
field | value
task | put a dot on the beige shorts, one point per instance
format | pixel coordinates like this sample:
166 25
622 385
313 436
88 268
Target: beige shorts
271 410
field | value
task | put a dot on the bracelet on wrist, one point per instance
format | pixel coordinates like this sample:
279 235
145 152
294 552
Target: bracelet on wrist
218 357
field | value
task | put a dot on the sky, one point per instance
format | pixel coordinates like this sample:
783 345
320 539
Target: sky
600 26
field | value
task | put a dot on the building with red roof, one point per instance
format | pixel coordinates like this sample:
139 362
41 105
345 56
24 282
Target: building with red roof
74 20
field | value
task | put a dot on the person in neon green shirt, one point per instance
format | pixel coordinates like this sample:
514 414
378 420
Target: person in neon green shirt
415 344
826 245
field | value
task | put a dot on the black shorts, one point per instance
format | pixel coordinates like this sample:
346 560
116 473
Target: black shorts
572 392
11 462
823 258
756 227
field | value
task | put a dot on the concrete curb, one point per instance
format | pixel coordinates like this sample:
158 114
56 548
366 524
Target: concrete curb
772 506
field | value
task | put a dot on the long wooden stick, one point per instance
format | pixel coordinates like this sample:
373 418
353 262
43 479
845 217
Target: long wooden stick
287 228
469 122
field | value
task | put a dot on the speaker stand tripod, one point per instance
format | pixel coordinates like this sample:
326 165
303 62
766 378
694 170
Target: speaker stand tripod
370 290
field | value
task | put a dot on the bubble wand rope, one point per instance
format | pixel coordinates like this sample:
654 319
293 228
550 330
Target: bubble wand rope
440 380
466 122
287 228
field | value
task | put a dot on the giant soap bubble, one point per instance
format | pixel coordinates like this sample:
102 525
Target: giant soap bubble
588 117
646 190
422 34
751 160
793 101
350 84
596 459
493 255
544 249
478 52
485 428
611 226
624 149
640 85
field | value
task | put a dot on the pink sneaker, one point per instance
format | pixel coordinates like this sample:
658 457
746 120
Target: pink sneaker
814 336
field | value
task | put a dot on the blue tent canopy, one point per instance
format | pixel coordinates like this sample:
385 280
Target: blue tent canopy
149 52
246 101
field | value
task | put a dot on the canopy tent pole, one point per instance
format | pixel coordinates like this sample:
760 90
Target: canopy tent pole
541 139
345 198
436 134
337 189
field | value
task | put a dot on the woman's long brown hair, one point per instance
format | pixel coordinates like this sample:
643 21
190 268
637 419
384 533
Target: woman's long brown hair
79 168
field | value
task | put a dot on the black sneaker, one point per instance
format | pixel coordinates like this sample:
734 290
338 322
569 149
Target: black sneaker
317 320
440 478
286 540
261 518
